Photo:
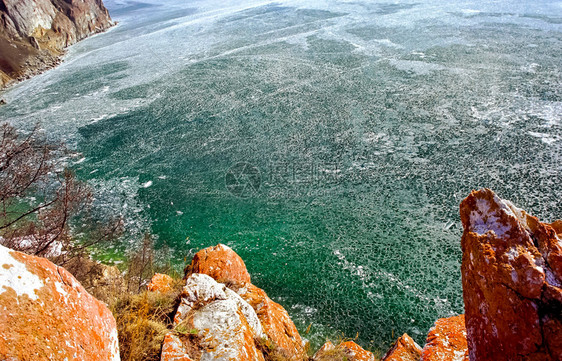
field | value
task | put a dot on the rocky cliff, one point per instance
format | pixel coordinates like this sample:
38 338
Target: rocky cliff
512 287
512 281
34 33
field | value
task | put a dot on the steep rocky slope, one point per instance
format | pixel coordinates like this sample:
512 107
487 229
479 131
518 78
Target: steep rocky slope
34 33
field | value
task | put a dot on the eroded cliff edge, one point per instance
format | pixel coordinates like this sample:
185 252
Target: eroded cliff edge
34 33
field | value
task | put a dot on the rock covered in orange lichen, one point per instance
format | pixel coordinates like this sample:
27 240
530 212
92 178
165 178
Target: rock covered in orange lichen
221 263
275 320
356 352
173 349
446 341
214 323
160 283
224 265
512 281
326 347
348 350
47 315
405 349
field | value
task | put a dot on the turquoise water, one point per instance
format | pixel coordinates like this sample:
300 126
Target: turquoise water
329 143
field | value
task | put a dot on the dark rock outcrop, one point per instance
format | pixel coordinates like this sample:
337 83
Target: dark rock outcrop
34 33
512 281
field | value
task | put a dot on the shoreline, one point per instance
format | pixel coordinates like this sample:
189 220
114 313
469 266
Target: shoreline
42 63
35 34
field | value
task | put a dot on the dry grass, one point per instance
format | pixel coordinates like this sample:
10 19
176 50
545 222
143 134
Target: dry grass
270 351
336 354
142 322
342 354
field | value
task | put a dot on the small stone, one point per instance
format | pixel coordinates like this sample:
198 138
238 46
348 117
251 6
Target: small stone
160 283
405 349
446 341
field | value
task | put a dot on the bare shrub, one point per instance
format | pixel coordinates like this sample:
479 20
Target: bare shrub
40 199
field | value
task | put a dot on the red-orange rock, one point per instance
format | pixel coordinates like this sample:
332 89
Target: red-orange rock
221 324
224 265
345 351
356 352
160 283
557 226
405 349
275 321
47 315
512 279
173 349
446 341
221 263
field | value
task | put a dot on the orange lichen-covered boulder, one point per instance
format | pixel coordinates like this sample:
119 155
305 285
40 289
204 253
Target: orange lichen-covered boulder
446 341
326 347
405 349
221 263
512 281
224 265
47 315
173 349
275 321
345 351
214 322
160 283
356 352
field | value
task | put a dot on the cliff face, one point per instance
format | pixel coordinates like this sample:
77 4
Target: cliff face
34 33
512 281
